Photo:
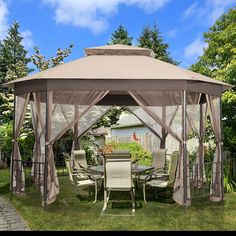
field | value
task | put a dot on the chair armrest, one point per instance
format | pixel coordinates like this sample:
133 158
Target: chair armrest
161 171
150 177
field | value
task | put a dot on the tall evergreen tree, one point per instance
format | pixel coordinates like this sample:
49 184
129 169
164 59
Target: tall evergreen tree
13 56
13 65
121 36
151 38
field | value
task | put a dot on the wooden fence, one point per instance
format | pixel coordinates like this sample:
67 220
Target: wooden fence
148 141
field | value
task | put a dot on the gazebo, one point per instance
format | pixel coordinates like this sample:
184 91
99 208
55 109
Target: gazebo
170 100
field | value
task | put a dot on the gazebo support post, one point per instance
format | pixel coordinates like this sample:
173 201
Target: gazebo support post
184 146
222 159
200 164
47 150
75 137
163 131
13 147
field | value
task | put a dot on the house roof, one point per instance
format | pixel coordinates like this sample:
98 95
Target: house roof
127 121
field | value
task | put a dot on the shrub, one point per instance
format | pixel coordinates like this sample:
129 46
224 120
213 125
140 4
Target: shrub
26 142
90 154
137 152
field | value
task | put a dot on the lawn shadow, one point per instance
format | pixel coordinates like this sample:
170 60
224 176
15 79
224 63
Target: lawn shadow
5 189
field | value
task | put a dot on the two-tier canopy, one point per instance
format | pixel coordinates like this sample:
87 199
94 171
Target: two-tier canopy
170 100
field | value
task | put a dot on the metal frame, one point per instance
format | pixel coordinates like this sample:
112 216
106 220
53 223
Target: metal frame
46 152
184 146
13 147
221 150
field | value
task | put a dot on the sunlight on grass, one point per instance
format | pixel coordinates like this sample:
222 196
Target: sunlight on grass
74 210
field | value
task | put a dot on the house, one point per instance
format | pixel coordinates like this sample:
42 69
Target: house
130 129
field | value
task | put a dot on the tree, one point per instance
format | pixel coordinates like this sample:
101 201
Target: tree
13 56
151 38
13 65
42 64
121 36
111 117
219 61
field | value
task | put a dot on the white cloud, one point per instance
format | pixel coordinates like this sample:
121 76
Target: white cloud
27 39
94 14
209 11
195 49
218 7
172 33
3 19
190 11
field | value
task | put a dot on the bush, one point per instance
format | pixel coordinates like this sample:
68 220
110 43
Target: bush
90 154
26 142
137 153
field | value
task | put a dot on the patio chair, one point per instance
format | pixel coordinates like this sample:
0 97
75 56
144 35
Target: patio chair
158 162
118 176
80 178
79 158
80 163
162 179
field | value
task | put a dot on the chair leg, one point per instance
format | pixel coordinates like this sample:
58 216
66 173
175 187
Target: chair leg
95 192
105 200
144 193
133 199
108 196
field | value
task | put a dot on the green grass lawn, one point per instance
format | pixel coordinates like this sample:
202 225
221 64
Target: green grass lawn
74 210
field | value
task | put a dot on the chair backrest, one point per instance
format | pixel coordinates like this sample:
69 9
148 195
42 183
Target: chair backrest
120 151
68 166
80 158
173 166
159 158
117 171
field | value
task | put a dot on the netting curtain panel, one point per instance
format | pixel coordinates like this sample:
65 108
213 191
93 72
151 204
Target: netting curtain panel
155 127
21 103
166 113
173 103
214 108
196 121
53 113
178 113
86 122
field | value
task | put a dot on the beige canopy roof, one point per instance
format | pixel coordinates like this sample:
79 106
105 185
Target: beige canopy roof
111 65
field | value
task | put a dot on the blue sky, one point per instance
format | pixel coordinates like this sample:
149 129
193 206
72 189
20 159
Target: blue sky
51 24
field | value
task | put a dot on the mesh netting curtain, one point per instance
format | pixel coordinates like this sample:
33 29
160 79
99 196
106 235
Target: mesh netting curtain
214 109
61 110
21 103
152 102
85 123
38 111
196 117
159 131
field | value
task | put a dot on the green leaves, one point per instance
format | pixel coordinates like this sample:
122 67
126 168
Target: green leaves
42 64
13 57
121 36
219 62
151 38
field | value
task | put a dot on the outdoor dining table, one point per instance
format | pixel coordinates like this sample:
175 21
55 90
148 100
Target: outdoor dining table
136 169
